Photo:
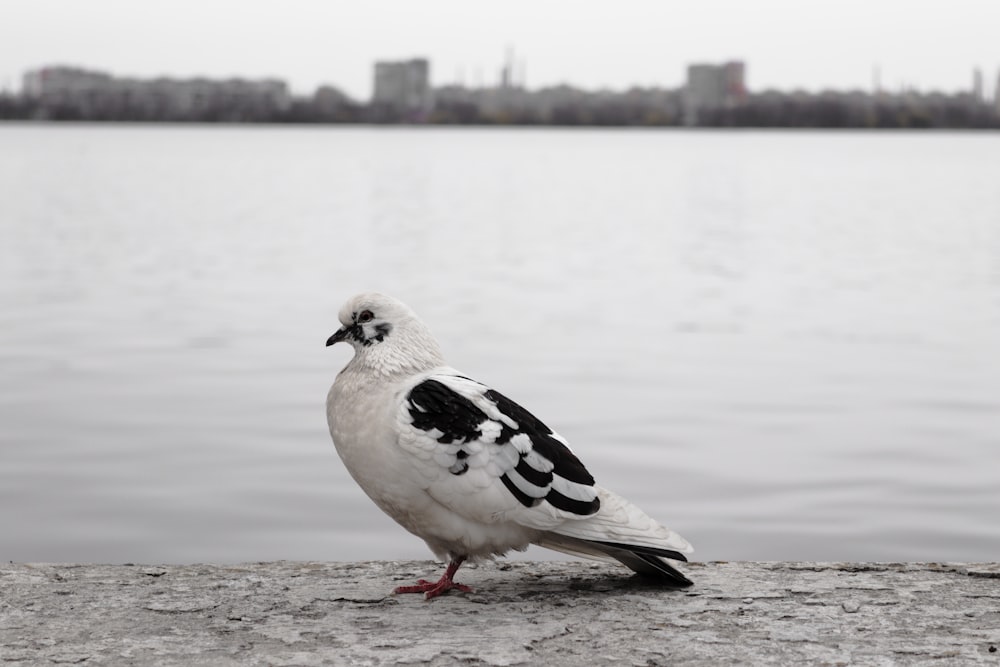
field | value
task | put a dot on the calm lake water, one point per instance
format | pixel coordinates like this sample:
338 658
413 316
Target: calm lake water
785 345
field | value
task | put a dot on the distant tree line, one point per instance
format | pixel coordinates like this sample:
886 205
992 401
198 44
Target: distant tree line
818 112
300 110
760 111
597 115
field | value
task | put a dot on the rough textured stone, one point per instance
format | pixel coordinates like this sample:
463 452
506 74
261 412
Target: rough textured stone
561 613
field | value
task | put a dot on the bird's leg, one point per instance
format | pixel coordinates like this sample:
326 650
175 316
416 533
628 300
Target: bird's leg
432 589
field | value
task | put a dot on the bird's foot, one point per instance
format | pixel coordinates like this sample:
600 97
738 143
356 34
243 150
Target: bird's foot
432 589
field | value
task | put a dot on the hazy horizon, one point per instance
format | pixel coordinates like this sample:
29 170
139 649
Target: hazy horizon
927 46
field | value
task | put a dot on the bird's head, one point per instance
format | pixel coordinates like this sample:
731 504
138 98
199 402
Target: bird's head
386 334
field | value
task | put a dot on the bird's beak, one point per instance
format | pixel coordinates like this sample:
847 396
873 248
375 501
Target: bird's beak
337 337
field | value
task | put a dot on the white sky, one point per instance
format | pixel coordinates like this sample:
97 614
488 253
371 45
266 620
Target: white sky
811 44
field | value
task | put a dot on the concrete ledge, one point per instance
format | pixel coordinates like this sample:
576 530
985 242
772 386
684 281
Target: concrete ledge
551 613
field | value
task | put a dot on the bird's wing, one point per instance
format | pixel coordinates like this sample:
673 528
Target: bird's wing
488 459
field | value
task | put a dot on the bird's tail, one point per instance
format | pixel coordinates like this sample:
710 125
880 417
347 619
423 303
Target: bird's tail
621 531
647 561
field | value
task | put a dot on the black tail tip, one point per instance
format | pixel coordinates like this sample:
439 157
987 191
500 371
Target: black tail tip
672 580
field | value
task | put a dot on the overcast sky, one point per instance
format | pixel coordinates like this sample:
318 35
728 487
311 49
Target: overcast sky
811 44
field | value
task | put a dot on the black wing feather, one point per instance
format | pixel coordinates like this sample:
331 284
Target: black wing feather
433 406
570 467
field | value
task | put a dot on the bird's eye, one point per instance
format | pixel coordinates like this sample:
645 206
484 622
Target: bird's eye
365 316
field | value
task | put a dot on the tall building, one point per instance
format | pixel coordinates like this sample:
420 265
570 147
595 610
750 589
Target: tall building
713 87
977 85
996 95
403 86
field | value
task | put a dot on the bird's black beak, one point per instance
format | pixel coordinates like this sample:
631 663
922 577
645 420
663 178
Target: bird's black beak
338 337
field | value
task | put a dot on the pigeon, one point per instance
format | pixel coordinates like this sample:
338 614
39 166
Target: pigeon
465 468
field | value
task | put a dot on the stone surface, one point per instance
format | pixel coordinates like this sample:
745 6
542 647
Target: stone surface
560 613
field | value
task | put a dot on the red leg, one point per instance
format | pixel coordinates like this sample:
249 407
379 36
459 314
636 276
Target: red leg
432 589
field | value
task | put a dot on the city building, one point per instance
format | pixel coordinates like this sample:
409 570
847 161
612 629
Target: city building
329 99
403 88
60 84
88 93
996 95
713 87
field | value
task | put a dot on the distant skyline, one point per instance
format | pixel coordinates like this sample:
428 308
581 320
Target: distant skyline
786 44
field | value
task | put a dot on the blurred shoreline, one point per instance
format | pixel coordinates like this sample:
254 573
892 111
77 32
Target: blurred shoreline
449 127
714 96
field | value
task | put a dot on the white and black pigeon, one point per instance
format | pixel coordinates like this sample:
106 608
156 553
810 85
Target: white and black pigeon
464 467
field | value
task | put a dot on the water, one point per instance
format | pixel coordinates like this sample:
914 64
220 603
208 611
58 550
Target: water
783 345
